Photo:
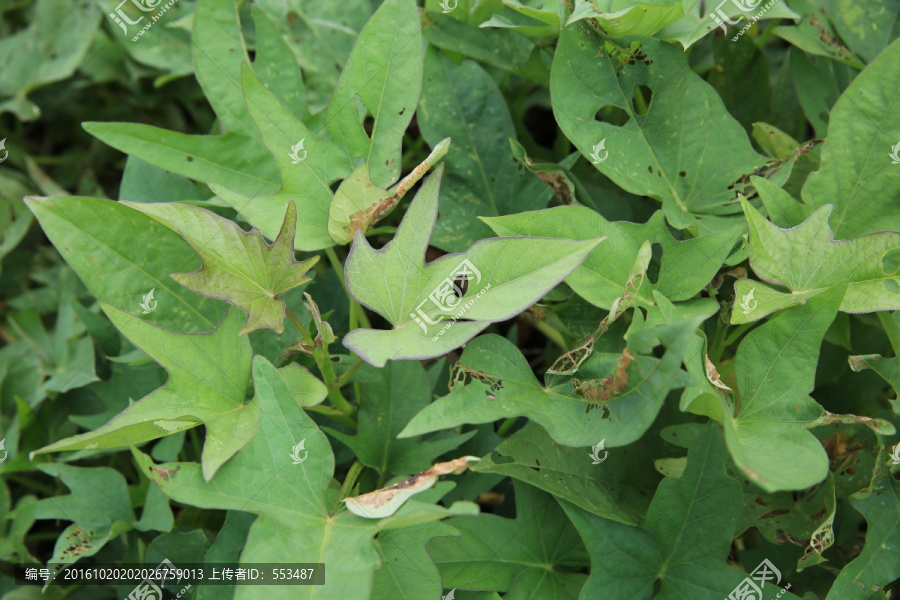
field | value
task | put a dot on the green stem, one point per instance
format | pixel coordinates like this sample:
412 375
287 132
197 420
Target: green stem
350 480
332 413
303 332
736 334
359 312
343 379
506 426
323 360
336 265
552 333
767 33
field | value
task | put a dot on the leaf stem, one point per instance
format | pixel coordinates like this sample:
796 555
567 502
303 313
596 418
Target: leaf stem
553 334
506 426
350 480
303 332
343 379
332 413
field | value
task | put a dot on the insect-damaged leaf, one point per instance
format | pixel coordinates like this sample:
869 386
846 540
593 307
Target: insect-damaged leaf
208 374
877 564
686 266
358 203
300 520
386 501
504 275
238 267
808 261
684 153
618 402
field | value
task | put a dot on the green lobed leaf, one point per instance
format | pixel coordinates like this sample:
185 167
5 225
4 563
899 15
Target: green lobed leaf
531 556
686 266
505 276
808 261
121 255
237 266
504 386
299 520
775 367
680 549
482 177
208 374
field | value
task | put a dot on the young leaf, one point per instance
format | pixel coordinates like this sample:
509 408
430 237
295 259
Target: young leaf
295 501
505 276
238 267
808 261
208 376
857 175
532 555
685 154
681 548
775 368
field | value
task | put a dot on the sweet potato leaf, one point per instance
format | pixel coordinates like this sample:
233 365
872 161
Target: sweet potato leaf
504 276
238 266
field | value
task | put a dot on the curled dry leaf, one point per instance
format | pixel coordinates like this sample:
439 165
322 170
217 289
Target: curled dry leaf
385 502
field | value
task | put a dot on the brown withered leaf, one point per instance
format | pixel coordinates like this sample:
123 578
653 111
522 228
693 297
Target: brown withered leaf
386 501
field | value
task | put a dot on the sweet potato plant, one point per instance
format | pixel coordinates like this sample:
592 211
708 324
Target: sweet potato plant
469 299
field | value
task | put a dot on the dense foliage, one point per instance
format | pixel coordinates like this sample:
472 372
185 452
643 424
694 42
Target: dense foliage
521 299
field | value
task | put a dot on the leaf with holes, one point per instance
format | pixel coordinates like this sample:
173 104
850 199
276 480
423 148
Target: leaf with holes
425 301
679 146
